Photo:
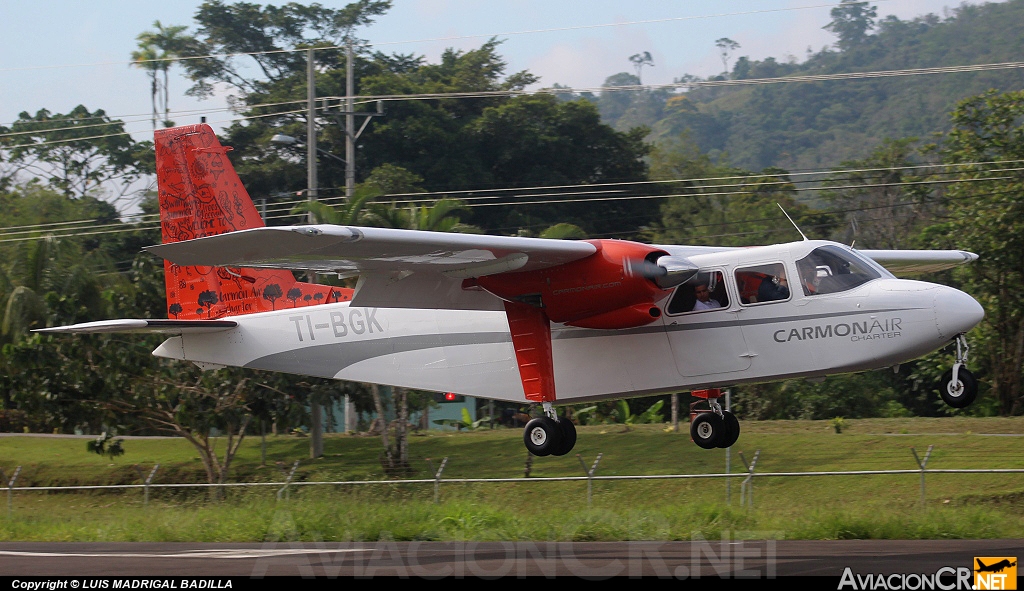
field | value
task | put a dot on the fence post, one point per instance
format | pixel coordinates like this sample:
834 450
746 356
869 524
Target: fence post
728 457
10 485
146 481
590 476
437 477
922 463
287 481
747 486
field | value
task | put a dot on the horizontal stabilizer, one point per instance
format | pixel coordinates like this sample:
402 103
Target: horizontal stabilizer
912 262
162 326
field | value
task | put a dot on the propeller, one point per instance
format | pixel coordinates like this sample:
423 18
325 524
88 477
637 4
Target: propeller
667 271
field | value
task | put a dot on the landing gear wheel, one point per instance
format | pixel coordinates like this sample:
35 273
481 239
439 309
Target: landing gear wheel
568 436
960 394
707 430
732 430
542 436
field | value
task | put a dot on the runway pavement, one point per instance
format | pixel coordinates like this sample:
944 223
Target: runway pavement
594 560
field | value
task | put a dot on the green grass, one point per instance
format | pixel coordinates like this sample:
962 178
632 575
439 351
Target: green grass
840 507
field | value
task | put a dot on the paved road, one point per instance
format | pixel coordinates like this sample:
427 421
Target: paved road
507 559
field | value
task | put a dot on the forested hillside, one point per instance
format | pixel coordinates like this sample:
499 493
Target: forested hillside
820 124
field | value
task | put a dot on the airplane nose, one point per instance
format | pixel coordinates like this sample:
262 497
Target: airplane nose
955 312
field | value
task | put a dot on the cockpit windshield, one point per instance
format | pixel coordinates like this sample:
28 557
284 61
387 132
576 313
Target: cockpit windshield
831 269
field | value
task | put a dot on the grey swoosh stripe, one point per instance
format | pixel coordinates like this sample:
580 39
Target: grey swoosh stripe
581 334
781 320
328 359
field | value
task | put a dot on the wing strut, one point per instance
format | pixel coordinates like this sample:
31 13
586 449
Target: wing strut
531 338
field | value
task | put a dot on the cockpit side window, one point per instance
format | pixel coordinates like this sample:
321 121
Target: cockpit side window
704 292
830 269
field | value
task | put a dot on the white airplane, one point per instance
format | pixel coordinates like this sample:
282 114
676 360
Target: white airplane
528 320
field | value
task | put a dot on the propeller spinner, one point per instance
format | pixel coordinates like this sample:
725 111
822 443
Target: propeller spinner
666 271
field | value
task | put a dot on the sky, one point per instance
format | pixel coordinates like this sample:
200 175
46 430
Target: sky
57 54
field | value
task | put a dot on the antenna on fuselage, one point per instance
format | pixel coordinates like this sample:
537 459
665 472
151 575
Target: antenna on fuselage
791 221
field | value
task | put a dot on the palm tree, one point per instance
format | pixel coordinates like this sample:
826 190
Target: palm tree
348 213
145 58
157 50
564 231
440 216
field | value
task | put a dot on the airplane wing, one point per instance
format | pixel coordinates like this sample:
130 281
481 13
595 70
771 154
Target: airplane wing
914 262
155 325
397 268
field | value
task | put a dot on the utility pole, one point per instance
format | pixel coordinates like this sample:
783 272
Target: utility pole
350 123
350 175
311 132
316 427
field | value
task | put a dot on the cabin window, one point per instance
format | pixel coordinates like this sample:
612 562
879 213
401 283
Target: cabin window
705 292
830 269
761 284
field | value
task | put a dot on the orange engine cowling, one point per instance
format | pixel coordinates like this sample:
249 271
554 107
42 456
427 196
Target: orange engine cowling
610 289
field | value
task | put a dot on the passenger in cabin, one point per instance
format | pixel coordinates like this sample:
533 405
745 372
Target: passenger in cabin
773 288
704 299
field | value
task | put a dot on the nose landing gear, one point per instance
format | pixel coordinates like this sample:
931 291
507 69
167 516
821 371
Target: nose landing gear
958 388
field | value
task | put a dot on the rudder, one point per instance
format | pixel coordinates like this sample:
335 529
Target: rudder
201 195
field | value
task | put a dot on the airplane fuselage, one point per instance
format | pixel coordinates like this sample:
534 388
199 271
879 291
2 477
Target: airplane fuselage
880 323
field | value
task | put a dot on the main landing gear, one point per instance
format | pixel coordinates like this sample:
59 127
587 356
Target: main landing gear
958 387
712 427
549 435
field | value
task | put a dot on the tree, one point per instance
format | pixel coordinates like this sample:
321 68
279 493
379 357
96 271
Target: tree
214 402
207 299
725 47
885 205
79 152
440 216
613 104
639 61
294 294
265 35
564 231
47 281
271 293
987 217
156 52
720 205
851 21
539 140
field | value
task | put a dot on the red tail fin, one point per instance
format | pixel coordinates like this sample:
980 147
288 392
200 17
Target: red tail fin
201 195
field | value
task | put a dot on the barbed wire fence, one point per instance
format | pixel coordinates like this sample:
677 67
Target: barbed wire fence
589 476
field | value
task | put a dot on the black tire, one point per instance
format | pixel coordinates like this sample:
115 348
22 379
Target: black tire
568 437
707 430
542 436
961 394
732 430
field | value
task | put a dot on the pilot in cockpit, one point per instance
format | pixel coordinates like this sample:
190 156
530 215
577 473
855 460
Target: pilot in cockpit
808 274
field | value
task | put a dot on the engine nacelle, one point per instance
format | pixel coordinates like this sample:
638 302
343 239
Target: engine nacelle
616 287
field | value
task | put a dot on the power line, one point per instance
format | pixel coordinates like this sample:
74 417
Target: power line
698 190
429 40
626 88
116 120
152 225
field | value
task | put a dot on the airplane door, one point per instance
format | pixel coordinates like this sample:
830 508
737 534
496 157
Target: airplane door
702 328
